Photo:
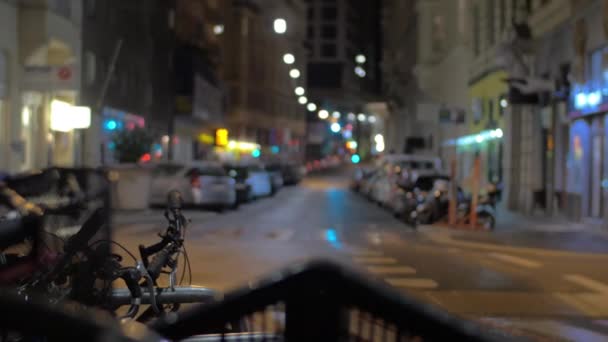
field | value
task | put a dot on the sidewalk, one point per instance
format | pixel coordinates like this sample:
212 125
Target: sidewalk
513 221
518 230
154 216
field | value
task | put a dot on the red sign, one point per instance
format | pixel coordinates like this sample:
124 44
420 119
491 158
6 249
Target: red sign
64 73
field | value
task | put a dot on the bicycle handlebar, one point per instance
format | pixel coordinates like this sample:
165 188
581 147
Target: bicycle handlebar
160 260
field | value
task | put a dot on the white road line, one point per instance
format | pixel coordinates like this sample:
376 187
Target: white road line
562 330
391 270
418 283
588 283
516 260
576 302
364 252
375 260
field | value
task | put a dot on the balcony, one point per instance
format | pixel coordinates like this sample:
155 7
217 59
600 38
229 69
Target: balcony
49 32
549 16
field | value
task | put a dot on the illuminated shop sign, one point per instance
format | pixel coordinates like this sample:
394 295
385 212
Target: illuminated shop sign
478 138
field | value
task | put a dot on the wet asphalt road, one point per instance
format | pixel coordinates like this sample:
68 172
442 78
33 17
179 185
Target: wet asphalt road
552 284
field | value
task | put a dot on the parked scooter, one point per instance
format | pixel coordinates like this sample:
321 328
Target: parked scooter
434 206
486 208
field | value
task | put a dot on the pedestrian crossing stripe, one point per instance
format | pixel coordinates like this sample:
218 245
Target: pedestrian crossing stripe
417 283
375 260
363 252
391 270
522 262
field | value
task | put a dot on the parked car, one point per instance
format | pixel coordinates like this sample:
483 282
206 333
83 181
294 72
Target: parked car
243 189
254 175
276 177
292 173
368 182
204 184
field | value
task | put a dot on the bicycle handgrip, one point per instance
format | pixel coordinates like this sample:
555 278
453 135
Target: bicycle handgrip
158 262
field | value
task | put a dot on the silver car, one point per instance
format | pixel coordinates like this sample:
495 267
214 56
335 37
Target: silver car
204 184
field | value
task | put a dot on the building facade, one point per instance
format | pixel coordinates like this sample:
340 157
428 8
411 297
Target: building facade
200 93
127 77
9 86
40 70
583 168
344 51
261 104
443 58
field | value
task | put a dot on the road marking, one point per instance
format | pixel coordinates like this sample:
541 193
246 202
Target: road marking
281 234
576 302
387 270
588 283
562 330
446 239
364 252
516 260
418 283
375 260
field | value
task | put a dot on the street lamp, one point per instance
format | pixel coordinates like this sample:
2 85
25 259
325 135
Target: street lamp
360 71
294 73
335 127
323 114
280 25
360 59
311 107
335 115
218 29
299 91
302 100
371 119
351 116
361 117
288 58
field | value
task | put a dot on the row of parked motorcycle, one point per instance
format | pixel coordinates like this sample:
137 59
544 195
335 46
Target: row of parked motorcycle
417 192
217 186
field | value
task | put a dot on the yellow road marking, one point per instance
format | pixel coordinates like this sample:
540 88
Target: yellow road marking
516 260
387 270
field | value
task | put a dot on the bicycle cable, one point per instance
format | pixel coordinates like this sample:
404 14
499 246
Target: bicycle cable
117 244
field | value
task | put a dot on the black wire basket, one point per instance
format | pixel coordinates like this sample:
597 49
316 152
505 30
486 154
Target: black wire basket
321 301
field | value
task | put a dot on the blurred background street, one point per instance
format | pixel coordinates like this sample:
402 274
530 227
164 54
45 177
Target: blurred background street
552 286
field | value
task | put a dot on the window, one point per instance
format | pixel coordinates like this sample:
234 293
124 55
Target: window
503 14
89 7
490 22
595 68
490 109
328 50
310 31
477 110
476 31
329 13
328 31
3 74
90 67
